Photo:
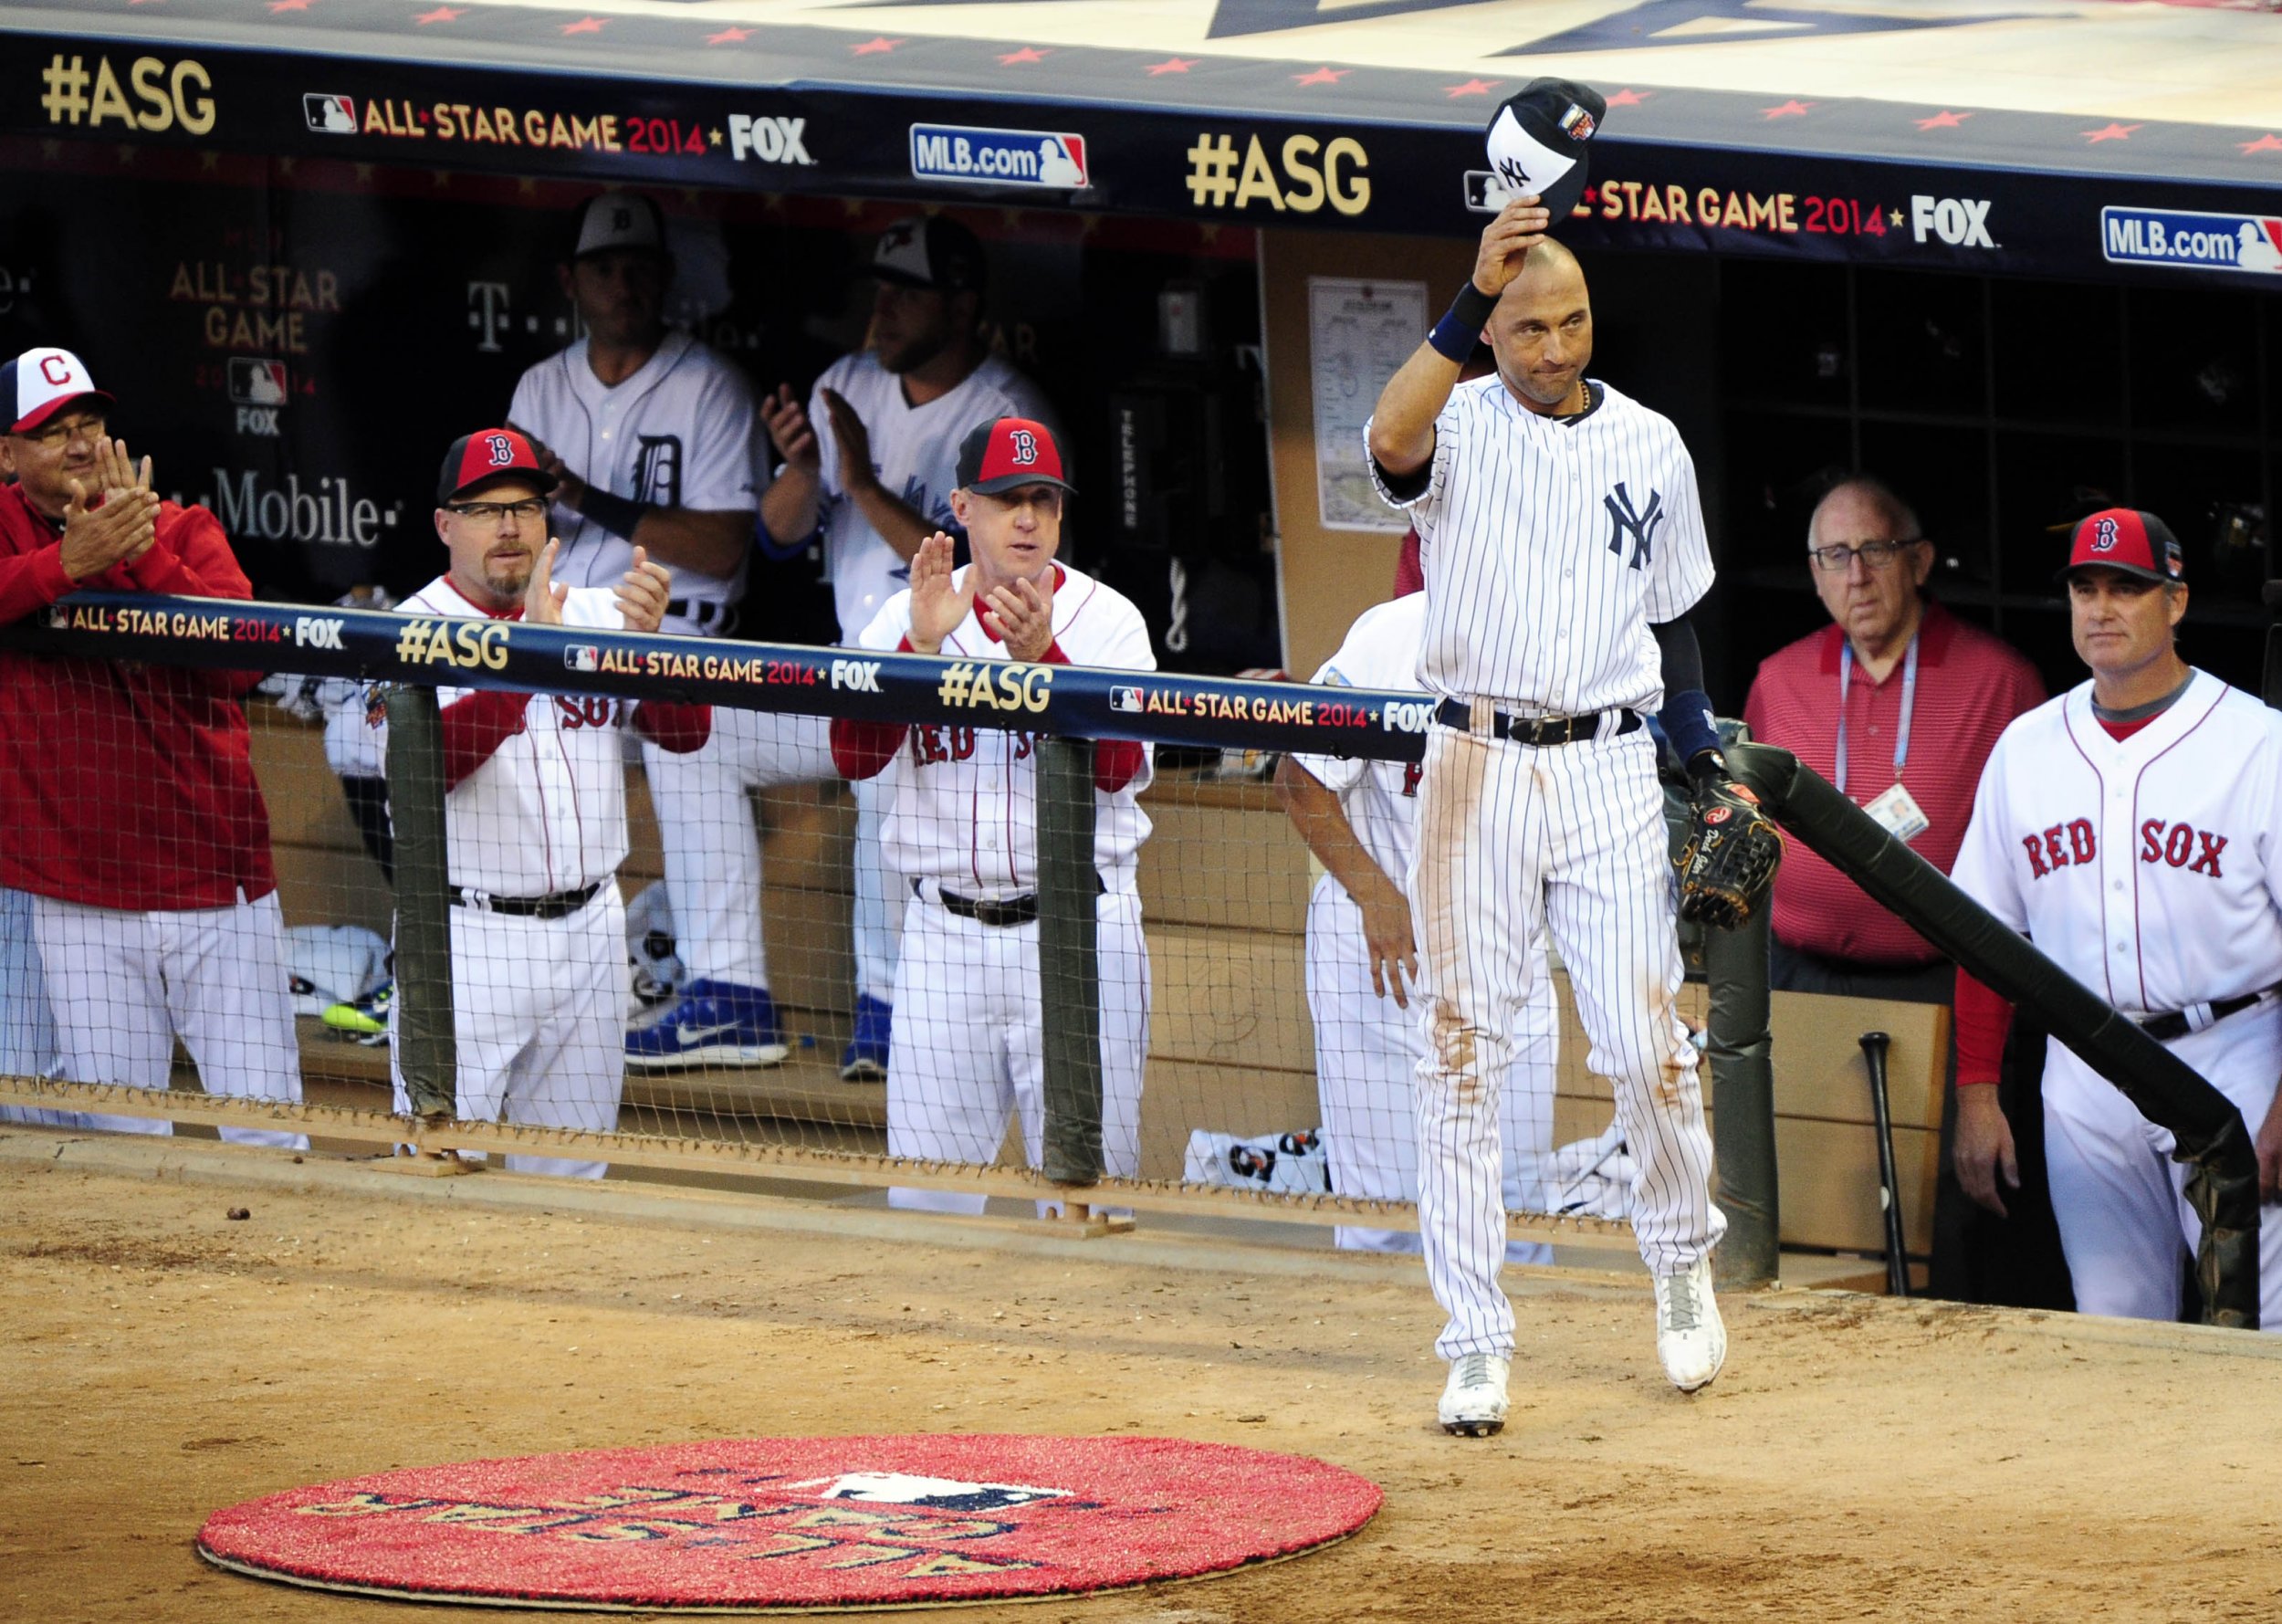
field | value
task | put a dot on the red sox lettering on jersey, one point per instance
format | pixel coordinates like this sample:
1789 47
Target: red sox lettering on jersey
2145 866
964 797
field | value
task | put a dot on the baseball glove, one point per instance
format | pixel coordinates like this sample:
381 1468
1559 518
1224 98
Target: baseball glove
1730 855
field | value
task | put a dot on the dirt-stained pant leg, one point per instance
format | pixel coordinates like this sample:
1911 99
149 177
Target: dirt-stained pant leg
1610 908
1477 892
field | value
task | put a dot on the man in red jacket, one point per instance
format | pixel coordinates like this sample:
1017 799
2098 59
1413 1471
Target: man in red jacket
127 791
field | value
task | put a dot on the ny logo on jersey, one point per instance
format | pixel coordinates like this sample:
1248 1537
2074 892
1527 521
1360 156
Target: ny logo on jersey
1625 521
658 470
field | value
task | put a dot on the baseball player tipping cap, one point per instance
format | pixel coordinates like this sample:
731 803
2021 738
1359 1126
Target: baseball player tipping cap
1009 452
1537 141
486 457
929 251
39 383
2130 541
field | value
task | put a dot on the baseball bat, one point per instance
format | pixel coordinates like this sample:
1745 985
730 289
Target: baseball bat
1874 1045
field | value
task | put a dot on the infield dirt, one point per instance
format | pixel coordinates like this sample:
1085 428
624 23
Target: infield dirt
1858 1458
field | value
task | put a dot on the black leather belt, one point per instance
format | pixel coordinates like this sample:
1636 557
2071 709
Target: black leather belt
702 614
998 913
2174 1024
1537 729
560 905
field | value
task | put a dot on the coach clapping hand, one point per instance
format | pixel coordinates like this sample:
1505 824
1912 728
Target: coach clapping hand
543 598
1023 616
643 593
936 605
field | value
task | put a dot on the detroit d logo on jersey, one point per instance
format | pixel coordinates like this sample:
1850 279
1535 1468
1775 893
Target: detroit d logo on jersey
658 470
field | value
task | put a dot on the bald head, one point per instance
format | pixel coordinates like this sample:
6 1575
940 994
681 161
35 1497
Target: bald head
1541 330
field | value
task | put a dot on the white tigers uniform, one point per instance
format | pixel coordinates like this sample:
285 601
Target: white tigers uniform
682 432
537 1004
1368 1047
914 452
1550 546
963 821
2150 868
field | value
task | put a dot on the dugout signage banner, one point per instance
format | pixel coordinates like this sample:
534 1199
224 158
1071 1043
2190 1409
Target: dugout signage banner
455 651
1040 151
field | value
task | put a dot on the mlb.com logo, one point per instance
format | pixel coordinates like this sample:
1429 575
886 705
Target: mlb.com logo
2191 241
1050 160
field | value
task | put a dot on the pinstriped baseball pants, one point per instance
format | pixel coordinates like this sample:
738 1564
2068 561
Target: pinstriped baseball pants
1571 835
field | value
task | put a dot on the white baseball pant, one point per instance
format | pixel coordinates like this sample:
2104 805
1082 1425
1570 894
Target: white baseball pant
1367 1050
712 849
27 1031
878 917
537 1018
2125 1225
1512 840
122 985
968 1040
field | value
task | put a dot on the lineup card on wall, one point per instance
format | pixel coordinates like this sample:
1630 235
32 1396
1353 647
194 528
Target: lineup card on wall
1358 334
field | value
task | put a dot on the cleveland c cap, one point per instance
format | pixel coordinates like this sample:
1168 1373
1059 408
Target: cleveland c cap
1537 143
486 457
1007 453
39 383
929 251
2130 541
617 220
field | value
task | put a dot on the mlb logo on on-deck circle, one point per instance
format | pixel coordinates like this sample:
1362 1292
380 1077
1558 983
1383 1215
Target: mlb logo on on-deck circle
1127 700
582 657
329 115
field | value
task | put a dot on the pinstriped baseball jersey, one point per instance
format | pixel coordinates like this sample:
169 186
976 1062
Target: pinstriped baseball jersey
1380 798
1550 546
547 812
682 432
965 799
914 452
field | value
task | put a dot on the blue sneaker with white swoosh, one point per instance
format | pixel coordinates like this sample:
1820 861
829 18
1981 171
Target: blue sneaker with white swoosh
715 1023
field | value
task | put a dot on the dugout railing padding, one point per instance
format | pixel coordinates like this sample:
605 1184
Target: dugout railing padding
1068 706
2223 1177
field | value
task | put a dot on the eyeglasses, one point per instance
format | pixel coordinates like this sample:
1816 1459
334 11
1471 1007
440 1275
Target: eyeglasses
488 514
1878 555
55 437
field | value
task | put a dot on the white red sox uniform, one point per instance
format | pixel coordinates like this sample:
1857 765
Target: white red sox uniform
2150 868
914 452
963 828
537 997
1368 1047
682 432
1550 547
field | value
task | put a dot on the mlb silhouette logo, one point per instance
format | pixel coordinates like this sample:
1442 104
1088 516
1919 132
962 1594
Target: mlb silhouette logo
1127 700
582 657
329 115
257 382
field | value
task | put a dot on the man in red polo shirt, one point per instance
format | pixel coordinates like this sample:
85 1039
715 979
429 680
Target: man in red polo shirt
127 791
1898 703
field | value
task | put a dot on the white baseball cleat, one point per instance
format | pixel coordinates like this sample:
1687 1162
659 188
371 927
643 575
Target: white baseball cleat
1473 1401
1690 1337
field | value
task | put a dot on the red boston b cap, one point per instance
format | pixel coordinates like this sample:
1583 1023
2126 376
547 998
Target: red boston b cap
1008 451
2128 541
485 457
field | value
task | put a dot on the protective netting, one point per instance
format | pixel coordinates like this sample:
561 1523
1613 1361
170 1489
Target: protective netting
709 939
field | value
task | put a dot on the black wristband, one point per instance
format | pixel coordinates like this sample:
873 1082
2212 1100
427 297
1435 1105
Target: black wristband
618 515
1455 336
